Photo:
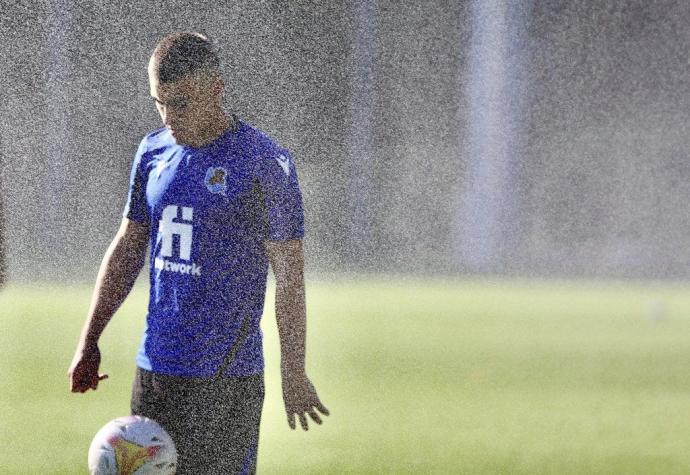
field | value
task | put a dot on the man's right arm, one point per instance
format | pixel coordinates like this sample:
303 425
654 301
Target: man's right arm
119 270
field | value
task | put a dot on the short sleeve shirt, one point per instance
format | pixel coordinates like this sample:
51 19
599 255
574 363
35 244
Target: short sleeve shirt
209 211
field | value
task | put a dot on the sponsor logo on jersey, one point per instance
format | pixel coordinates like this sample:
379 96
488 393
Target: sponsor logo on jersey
169 226
179 267
284 163
215 180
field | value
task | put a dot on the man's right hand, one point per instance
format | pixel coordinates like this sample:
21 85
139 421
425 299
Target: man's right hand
83 373
119 269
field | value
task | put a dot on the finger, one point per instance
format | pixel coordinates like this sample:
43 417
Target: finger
314 416
88 383
303 421
322 408
75 385
102 377
79 386
74 382
291 420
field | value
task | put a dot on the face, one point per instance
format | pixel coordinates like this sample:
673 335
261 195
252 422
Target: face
188 106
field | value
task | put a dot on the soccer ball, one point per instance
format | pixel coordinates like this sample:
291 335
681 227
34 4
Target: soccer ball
132 445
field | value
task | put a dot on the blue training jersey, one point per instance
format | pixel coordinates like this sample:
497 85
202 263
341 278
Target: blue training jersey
209 210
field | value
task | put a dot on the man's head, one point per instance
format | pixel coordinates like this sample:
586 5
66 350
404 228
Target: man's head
187 87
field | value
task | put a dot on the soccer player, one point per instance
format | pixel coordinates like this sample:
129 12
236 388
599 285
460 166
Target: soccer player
216 200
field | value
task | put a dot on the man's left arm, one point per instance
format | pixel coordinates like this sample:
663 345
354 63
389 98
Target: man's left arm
299 395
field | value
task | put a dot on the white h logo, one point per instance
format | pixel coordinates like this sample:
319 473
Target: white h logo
167 227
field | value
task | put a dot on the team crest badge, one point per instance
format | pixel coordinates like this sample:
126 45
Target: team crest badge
216 180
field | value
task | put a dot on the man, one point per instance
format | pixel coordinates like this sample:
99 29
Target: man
216 200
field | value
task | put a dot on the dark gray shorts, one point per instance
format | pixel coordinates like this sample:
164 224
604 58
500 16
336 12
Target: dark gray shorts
214 422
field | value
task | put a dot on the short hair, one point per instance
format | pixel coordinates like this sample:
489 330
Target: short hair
181 54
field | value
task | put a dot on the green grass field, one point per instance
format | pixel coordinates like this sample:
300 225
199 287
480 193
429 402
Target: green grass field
420 377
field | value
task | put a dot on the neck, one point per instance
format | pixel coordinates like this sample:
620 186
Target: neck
217 126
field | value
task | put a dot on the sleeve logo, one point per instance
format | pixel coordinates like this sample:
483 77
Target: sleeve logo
284 163
216 180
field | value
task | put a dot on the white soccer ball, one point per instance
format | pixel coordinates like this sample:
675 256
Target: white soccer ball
132 445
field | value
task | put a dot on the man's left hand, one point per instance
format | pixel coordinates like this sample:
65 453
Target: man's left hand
300 399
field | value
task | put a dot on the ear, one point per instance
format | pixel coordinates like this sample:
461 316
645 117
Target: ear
218 86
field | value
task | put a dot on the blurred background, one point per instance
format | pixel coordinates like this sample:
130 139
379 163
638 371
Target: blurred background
441 146
515 138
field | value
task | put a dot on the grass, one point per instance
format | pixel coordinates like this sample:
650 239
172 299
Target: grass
420 377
